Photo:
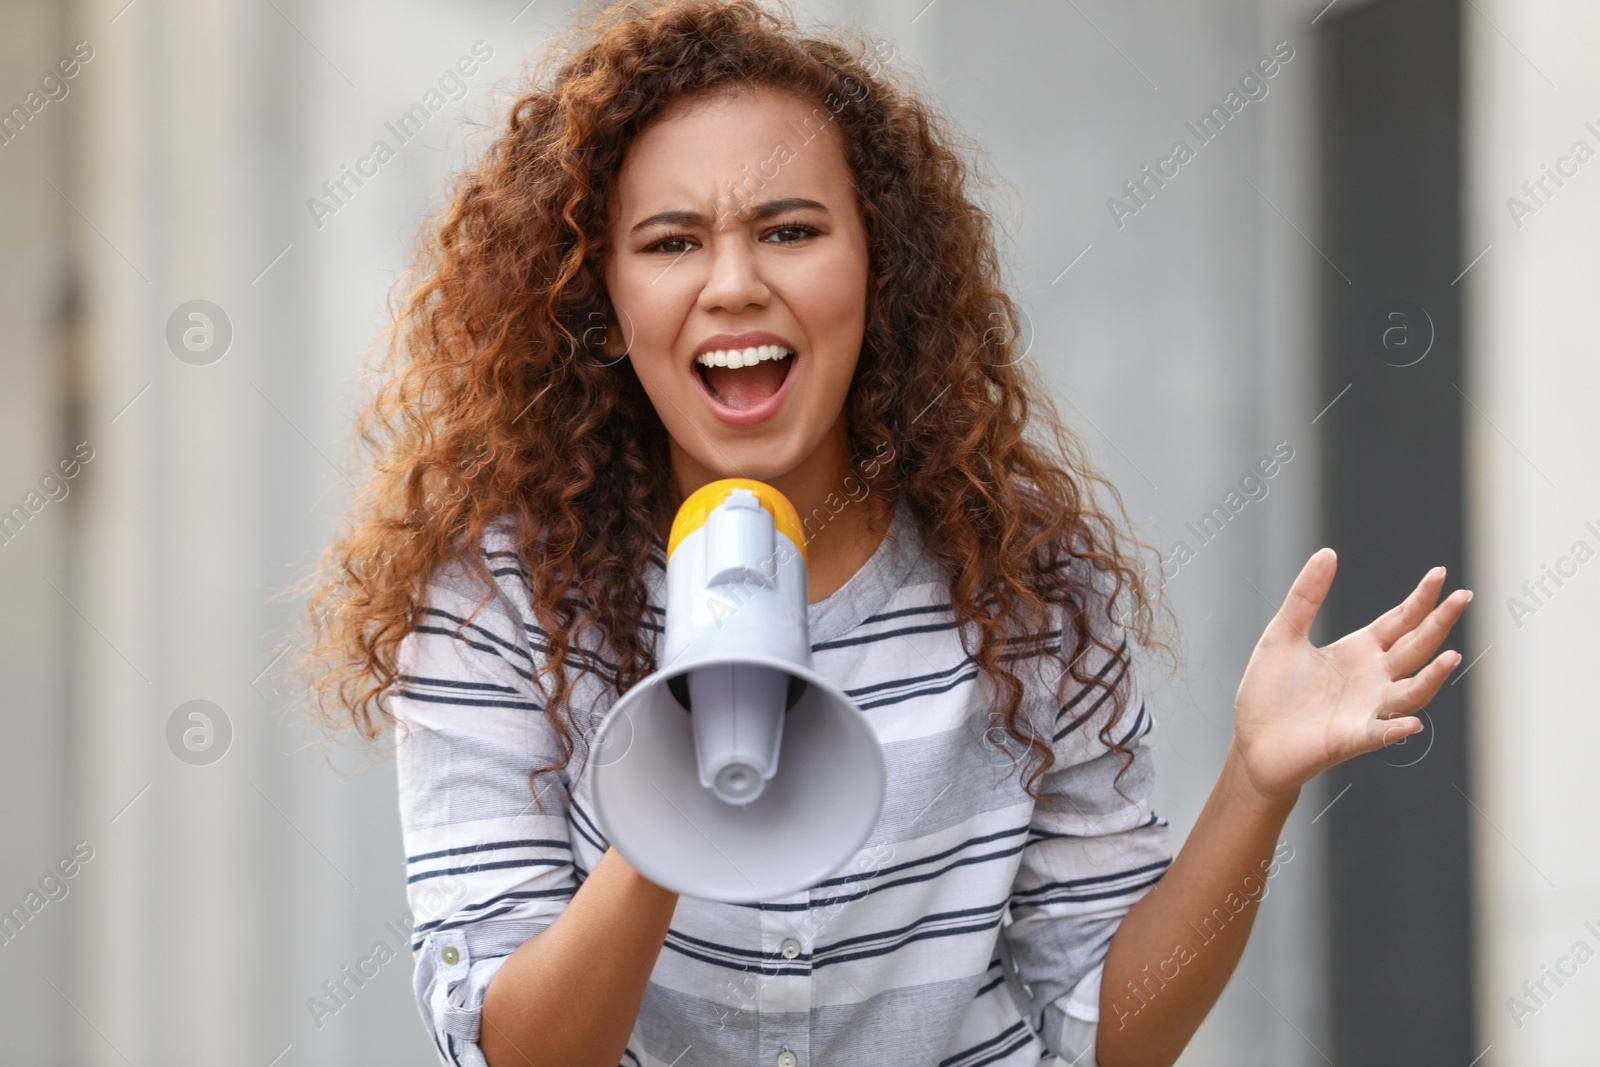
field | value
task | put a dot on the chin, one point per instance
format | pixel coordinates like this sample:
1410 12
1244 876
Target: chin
736 459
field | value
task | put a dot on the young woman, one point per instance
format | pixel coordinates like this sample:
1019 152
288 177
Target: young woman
706 246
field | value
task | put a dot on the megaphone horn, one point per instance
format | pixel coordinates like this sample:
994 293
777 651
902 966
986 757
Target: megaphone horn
687 780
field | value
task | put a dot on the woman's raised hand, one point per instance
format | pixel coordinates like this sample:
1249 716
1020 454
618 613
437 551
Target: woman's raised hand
1301 709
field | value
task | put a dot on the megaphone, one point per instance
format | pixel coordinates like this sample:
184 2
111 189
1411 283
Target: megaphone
735 772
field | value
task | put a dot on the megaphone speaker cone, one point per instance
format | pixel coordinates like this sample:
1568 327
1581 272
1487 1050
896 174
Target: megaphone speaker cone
804 824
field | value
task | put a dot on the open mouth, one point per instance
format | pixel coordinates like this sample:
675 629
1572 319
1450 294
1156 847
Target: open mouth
746 378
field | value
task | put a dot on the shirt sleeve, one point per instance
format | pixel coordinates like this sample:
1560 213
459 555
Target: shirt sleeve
486 868
1088 860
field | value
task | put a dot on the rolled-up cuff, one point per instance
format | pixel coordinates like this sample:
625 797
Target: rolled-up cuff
1076 1020
454 968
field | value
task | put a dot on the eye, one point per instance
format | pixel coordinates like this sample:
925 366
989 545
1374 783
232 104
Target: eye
800 228
658 246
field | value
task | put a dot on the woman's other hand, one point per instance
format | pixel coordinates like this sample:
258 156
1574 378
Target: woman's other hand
1301 709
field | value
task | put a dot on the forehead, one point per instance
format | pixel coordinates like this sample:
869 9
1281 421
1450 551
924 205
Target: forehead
729 148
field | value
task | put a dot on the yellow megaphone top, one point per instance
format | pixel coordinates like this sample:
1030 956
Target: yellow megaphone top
697 508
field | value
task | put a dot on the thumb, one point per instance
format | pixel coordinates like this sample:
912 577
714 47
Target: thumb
1305 596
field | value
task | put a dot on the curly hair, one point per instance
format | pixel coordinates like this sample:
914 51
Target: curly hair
492 406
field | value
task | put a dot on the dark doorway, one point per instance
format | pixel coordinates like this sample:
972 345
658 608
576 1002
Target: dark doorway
1391 353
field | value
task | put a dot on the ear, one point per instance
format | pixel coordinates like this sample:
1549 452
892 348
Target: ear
604 339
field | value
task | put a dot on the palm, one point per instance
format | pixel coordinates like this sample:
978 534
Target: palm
1301 709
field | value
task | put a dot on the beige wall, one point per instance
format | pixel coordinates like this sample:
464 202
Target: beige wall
36 424
1533 379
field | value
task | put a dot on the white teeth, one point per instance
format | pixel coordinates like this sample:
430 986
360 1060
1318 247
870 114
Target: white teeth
741 357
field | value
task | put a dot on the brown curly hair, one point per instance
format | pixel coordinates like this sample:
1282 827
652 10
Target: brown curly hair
493 404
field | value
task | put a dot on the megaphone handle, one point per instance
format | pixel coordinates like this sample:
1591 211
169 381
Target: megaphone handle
739 543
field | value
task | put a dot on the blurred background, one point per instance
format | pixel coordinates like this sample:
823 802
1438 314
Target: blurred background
1377 265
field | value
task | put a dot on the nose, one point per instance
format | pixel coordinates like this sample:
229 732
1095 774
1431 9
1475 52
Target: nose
733 275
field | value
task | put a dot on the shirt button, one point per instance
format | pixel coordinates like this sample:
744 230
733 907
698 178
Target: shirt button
790 949
450 956
787 1059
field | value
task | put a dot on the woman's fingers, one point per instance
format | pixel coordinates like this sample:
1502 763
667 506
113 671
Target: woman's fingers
1307 592
1404 616
1413 649
1411 695
1388 731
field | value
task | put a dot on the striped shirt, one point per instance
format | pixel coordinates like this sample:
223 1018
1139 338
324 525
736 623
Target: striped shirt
968 931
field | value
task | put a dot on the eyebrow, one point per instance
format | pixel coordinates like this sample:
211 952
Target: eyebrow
756 214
